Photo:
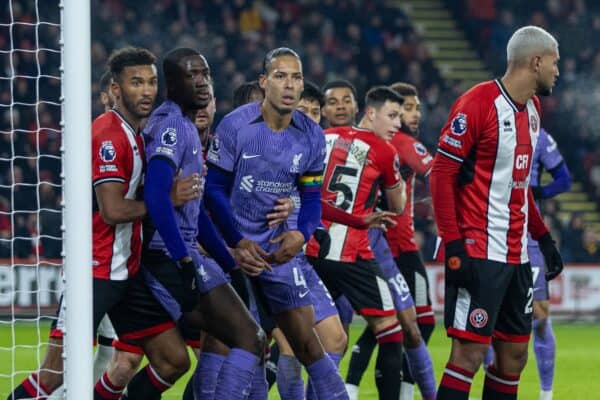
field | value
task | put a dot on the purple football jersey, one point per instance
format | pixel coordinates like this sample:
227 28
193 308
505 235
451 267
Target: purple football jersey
545 157
266 165
172 136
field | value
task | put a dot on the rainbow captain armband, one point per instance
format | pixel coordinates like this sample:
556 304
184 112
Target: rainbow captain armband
311 181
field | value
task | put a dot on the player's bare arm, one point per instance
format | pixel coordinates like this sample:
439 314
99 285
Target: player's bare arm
396 197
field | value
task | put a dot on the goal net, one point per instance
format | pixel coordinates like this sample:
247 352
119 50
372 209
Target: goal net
32 182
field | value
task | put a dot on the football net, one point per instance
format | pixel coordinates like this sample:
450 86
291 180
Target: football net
32 183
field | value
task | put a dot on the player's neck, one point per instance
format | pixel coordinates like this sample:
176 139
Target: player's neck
131 119
519 87
273 118
365 124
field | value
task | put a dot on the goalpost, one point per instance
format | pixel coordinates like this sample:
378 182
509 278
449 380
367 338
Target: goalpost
37 112
77 169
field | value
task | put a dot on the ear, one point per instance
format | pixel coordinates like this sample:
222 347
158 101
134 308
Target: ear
261 81
370 113
115 89
536 62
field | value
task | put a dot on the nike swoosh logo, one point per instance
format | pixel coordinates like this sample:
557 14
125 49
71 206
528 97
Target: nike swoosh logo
194 151
247 156
301 295
404 298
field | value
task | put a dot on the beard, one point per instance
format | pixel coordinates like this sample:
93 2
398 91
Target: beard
543 90
132 108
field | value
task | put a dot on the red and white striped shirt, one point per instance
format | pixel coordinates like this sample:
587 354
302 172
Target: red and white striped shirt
414 159
117 156
480 176
358 163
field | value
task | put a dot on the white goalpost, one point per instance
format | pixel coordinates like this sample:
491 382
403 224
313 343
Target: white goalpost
77 215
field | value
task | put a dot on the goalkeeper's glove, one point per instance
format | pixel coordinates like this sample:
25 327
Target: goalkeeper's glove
189 278
458 266
322 237
554 263
538 192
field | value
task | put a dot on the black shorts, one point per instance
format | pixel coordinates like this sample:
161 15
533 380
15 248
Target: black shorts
498 303
361 282
412 268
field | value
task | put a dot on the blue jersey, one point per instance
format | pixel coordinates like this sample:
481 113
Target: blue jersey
266 165
545 157
172 136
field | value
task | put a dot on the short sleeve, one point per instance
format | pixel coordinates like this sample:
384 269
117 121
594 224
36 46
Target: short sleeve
550 157
462 128
222 151
389 165
417 157
111 157
168 140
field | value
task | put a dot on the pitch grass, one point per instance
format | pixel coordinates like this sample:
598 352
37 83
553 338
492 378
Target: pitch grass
577 373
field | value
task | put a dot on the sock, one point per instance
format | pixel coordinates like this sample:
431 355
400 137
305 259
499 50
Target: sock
544 347
544 395
498 386
289 378
271 365
407 390
260 388
30 387
489 357
361 354
206 374
455 384
326 379
311 393
421 369
146 385
106 390
104 353
388 367
235 378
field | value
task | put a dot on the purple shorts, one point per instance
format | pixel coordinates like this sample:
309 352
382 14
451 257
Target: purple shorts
538 269
284 288
345 310
164 280
322 301
383 255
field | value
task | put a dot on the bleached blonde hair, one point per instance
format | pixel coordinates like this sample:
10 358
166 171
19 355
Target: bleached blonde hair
529 41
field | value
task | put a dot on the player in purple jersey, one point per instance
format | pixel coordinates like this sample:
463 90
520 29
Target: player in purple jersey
327 322
181 277
546 157
261 152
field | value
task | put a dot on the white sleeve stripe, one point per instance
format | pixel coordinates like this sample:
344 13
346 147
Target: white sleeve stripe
110 179
450 155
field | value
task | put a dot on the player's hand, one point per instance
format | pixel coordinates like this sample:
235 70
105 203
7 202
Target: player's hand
250 257
186 189
380 220
189 276
458 268
281 211
554 262
538 192
291 243
322 237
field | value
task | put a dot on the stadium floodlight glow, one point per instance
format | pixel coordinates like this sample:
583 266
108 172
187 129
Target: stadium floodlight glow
77 169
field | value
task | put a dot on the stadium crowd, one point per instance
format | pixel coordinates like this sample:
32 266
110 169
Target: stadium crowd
354 40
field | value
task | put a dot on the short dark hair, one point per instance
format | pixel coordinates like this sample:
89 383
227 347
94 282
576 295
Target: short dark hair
171 68
105 81
340 83
127 57
405 89
378 95
242 94
278 52
312 92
